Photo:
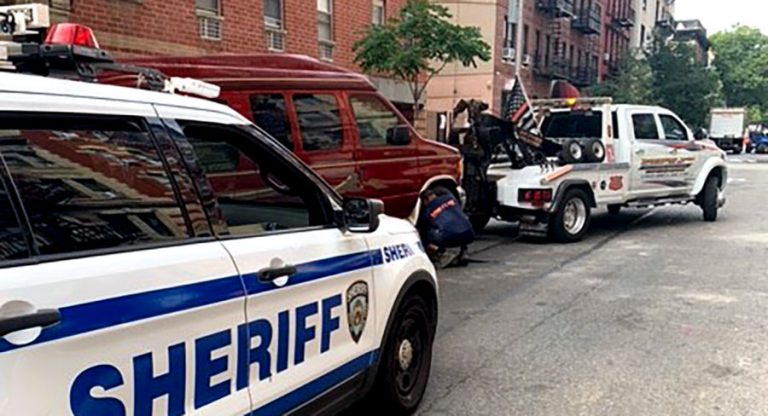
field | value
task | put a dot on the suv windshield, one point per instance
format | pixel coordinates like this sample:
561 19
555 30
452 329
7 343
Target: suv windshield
573 125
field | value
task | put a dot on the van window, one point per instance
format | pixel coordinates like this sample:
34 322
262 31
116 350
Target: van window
269 113
319 121
89 184
376 122
12 243
254 191
645 127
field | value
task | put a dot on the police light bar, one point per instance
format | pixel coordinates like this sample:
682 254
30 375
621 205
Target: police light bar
192 86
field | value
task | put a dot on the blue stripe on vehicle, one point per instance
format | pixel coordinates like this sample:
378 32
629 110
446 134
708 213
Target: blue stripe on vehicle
105 313
316 387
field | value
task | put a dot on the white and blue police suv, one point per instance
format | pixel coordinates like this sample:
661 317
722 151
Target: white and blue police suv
160 255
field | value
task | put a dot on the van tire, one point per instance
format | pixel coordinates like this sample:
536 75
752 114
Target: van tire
709 194
398 390
571 221
479 222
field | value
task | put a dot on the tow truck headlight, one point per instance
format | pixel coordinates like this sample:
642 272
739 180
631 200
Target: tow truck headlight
536 197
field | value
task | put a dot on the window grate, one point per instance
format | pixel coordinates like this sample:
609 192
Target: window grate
326 51
209 27
275 40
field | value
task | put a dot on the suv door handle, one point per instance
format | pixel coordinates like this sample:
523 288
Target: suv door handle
272 273
42 318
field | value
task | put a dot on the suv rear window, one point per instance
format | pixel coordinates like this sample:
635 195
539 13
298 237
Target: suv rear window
573 125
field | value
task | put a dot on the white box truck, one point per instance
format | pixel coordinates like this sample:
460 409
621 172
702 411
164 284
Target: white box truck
726 128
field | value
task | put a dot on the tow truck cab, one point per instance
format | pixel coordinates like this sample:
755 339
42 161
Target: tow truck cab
652 158
331 118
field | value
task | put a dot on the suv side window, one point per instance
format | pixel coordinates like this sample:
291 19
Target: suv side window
673 129
645 127
255 191
319 121
13 245
269 113
376 122
90 183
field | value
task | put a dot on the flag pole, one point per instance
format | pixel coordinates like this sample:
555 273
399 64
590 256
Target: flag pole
519 37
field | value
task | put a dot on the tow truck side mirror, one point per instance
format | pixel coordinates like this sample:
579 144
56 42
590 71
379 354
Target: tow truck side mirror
700 134
362 215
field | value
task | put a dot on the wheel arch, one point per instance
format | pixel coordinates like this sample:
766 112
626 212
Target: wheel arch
569 184
420 282
446 181
712 167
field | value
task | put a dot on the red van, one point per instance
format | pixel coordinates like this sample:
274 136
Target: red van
333 119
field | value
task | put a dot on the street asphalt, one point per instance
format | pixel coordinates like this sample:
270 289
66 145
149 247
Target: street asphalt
655 313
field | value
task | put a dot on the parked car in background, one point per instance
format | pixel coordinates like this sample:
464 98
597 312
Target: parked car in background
726 128
331 118
757 138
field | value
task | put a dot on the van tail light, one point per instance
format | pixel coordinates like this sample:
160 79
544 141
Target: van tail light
71 34
536 197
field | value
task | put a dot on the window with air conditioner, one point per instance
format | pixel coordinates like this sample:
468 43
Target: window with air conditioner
508 53
273 24
325 28
379 13
209 18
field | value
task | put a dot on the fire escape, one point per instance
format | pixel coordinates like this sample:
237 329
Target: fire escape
559 14
588 21
622 16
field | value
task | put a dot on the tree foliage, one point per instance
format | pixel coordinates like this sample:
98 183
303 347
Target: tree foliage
667 75
418 44
741 59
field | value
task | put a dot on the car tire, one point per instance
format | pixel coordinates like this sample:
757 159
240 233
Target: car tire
709 194
594 152
572 219
479 222
762 148
572 152
614 209
406 360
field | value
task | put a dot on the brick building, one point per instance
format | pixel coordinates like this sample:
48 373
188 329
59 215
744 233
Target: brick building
324 29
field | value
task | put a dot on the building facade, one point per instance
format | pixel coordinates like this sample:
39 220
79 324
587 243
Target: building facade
324 29
650 15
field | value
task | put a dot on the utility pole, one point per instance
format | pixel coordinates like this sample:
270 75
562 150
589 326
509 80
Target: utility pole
519 37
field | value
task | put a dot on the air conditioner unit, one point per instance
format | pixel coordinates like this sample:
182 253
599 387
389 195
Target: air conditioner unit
607 57
526 60
275 40
28 16
509 54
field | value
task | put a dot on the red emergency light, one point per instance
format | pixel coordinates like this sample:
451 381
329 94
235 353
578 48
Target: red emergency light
71 34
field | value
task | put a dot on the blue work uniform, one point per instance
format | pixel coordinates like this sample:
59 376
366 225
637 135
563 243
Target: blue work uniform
444 224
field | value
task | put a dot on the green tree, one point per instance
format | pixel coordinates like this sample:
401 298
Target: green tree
682 84
741 59
632 84
418 45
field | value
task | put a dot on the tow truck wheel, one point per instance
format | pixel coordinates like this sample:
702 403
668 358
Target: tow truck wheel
709 203
571 221
572 152
406 360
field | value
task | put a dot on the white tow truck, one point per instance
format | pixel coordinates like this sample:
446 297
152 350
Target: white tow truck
651 158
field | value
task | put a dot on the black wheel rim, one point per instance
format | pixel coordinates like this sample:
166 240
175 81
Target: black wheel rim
411 339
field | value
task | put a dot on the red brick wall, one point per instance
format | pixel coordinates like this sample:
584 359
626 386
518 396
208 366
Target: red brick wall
133 27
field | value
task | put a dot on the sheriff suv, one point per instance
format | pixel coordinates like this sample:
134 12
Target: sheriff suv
612 156
159 255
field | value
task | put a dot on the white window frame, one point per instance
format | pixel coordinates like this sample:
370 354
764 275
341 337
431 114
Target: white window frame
205 14
275 29
379 4
325 46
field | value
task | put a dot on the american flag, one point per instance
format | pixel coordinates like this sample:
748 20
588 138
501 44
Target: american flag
517 109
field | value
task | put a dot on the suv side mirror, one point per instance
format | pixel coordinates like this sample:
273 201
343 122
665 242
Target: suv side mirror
362 215
700 134
399 136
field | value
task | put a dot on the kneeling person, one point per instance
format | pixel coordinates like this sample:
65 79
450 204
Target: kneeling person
443 225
